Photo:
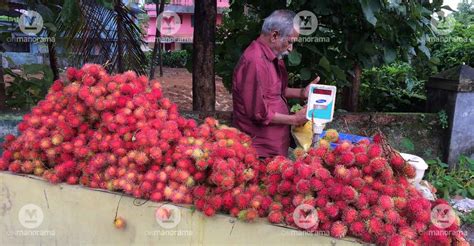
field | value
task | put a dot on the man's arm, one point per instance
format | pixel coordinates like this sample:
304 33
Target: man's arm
295 93
293 119
300 93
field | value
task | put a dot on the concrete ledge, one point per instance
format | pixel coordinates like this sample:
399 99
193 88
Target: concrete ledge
76 215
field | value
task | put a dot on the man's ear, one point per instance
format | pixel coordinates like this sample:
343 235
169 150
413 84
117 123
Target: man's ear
274 36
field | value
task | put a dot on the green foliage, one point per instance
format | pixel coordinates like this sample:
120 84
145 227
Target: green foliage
365 32
29 87
407 145
393 87
467 218
456 48
443 119
454 181
177 58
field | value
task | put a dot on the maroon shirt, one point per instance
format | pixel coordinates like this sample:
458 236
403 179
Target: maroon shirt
259 83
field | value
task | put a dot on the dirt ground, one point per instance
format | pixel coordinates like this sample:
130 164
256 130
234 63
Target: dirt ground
177 85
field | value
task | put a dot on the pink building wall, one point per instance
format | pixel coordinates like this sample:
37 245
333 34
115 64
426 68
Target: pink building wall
186 29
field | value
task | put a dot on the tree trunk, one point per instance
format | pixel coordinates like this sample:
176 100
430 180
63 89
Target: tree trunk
157 45
53 60
3 96
120 66
351 94
204 86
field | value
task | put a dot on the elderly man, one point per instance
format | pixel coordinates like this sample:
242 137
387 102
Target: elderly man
260 89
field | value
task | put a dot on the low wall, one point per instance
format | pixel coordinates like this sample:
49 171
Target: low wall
421 131
74 215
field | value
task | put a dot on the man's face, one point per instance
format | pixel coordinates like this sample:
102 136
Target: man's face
284 45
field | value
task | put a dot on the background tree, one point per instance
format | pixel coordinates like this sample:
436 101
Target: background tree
204 87
157 45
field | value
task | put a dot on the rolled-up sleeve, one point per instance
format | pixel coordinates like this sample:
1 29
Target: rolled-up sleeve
251 81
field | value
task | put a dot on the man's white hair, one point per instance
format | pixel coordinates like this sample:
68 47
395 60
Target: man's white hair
280 21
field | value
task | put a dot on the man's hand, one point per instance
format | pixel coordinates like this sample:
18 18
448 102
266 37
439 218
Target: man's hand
299 117
306 90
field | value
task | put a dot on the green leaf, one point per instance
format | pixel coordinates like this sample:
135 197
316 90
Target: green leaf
305 73
294 58
30 69
370 7
338 72
324 63
389 54
425 50
407 144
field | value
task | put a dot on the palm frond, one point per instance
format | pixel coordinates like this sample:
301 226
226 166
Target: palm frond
103 35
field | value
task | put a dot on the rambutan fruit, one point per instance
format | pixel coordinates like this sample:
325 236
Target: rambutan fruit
209 211
349 215
357 183
365 213
288 173
359 149
396 240
330 159
362 202
392 217
375 226
361 159
275 217
341 172
242 200
338 229
303 186
349 194
316 184
419 227
389 229
343 146
399 203
378 211
305 171
407 232
374 150
386 202
357 228
378 164
409 171
248 215
397 161
331 210
331 135
346 159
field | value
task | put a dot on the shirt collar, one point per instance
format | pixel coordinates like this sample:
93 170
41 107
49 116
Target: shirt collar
266 50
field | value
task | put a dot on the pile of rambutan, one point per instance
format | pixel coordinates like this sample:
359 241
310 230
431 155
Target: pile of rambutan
117 132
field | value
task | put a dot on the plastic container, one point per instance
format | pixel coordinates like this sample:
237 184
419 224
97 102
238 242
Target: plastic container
345 136
418 163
